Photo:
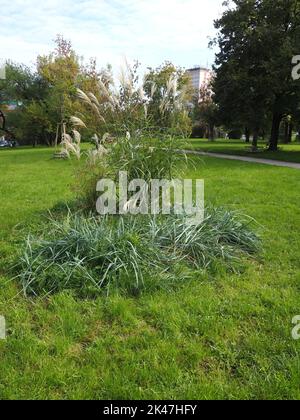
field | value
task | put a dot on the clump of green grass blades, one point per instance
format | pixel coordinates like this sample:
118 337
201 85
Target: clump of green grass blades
92 255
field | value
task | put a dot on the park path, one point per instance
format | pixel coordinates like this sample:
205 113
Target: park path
246 159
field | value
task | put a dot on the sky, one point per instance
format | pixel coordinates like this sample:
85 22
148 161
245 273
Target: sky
151 31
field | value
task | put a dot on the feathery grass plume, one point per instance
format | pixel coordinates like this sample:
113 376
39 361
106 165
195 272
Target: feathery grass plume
105 138
142 94
135 108
108 97
94 99
97 110
76 136
126 79
77 122
153 90
72 145
96 155
170 96
83 96
90 100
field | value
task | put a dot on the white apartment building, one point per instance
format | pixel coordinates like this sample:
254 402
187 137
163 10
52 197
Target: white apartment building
199 76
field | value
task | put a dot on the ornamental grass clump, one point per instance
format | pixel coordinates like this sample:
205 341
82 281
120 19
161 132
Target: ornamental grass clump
92 255
223 236
88 255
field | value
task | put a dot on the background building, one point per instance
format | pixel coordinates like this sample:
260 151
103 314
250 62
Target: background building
199 76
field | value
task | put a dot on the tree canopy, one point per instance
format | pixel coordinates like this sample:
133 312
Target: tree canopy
253 85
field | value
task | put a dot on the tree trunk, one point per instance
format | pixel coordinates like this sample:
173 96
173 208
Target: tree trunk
290 135
3 126
56 137
211 132
286 132
247 134
273 146
255 139
2 116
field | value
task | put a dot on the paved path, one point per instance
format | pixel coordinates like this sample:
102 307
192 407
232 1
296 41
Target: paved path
245 159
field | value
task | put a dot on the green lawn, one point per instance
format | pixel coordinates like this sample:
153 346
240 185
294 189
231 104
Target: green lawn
287 152
217 337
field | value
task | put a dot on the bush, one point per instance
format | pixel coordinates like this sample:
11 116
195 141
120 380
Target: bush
84 186
141 157
130 254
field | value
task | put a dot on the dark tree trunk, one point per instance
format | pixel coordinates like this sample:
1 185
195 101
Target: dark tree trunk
273 146
286 132
3 126
247 134
211 132
255 139
290 135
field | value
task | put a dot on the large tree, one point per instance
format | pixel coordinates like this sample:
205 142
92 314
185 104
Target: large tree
257 40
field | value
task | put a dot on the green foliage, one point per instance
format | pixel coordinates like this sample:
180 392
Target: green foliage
205 111
85 182
253 84
46 96
156 86
88 255
139 147
145 158
139 108
141 157
218 336
30 122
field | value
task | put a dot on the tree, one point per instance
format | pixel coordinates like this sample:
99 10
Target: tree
20 88
46 95
205 111
257 40
61 70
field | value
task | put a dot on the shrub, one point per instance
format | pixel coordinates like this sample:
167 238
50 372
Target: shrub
141 157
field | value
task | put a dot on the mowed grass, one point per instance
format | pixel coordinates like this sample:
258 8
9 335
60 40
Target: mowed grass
219 336
287 152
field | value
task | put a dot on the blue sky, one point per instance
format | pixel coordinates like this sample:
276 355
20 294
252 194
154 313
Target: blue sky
151 31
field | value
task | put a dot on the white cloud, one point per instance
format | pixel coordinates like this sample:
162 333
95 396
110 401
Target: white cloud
149 30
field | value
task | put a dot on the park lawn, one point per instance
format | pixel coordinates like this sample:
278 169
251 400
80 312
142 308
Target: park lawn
219 336
286 152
